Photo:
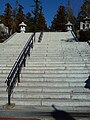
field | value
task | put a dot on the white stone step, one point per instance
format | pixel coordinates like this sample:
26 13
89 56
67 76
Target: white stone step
57 71
53 66
54 84
60 103
52 79
3 94
75 104
41 95
81 75
50 89
3 84
25 102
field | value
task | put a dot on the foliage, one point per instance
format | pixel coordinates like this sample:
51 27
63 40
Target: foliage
70 16
84 35
7 18
58 23
41 22
29 21
84 10
39 19
19 16
3 35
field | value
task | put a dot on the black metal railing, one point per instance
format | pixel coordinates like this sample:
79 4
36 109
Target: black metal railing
88 42
14 75
75 36
40 37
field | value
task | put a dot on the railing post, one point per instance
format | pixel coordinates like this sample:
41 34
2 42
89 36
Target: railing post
34 37
29 52
9 100
24 62
32 44
18 76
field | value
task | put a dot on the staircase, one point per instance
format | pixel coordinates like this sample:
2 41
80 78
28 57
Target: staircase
9 52
55 72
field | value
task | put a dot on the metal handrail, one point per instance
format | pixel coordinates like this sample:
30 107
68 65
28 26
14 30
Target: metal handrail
88 42
40 37
75 36
14 74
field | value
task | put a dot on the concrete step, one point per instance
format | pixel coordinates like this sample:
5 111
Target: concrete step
57 79
6 64
52 71
53 66
53 75
3 94
77 63
54 84
50 89
25 102
70 103
3 75
75 104
3 84
41 95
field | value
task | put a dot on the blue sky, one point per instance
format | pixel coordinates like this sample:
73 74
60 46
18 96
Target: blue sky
50 7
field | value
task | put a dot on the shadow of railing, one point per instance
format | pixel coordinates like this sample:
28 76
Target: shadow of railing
61 115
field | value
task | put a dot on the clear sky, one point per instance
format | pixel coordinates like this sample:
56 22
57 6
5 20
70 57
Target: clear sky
50 7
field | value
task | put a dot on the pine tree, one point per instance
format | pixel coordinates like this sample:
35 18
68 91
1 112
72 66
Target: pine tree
69 14
85 10
19 16
58 23
36 13
7 18
42 26
29 21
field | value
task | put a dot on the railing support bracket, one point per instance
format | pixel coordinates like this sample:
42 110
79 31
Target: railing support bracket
7 106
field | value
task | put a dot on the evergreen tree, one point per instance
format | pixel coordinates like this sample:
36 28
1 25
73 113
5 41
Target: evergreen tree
69 14
41 22
58 23
36 13
29 21
19 16
7 18
84 11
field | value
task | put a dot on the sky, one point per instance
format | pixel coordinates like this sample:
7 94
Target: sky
50 7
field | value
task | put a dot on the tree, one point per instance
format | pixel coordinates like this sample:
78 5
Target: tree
19 16
84 11
36 13
29 21
58 23
69 14
42 26
7 18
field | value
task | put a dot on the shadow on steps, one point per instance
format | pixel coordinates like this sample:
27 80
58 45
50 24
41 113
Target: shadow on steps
87 83
61 115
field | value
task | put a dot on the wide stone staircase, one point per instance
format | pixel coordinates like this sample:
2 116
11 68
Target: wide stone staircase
55 72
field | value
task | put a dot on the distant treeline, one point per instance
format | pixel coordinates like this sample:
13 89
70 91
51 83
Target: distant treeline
36 21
